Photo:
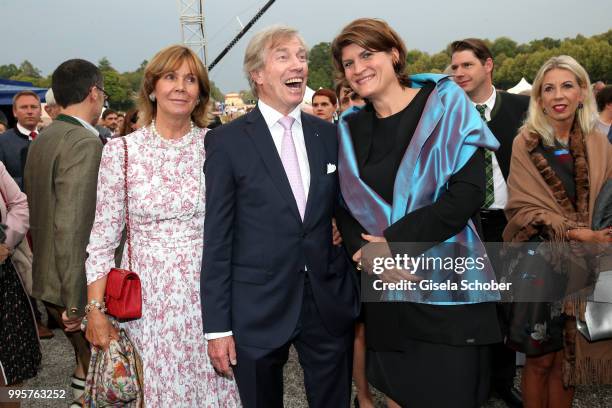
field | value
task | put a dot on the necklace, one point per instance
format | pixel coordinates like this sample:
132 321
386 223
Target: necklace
176 143
156 179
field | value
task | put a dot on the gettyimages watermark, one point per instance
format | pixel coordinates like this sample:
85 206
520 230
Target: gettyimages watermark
460 273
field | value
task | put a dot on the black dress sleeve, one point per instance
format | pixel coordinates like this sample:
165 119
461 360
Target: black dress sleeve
447 216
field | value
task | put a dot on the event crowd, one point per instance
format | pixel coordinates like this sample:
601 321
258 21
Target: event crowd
247 236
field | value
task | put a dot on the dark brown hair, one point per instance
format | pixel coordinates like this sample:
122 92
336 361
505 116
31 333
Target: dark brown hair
373 35
476 45
604 97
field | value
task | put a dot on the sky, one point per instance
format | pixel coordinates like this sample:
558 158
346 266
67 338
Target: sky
130 31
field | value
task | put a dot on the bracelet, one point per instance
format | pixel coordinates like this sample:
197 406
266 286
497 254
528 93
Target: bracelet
84 323
95 304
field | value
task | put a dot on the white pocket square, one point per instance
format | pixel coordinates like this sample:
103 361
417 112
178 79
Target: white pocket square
331 168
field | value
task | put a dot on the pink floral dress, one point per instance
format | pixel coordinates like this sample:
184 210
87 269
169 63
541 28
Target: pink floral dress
166 203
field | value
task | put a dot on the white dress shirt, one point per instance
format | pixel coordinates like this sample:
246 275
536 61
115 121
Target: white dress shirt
25 131
271 116
87 125
500 193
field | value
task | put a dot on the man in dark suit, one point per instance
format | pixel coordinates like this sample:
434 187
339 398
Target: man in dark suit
15 142
472 65
271 277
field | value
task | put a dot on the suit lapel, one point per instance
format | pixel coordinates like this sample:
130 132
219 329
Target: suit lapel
258 131
315 161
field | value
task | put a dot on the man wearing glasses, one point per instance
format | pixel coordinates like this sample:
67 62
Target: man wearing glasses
347 97
60 180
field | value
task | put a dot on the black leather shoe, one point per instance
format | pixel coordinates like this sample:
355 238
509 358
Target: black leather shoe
511 396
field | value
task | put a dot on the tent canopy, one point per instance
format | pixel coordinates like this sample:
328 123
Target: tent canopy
522 86
8 89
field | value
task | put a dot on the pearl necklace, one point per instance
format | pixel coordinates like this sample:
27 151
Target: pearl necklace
176 143
184 141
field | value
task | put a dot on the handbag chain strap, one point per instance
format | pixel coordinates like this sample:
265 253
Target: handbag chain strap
125 202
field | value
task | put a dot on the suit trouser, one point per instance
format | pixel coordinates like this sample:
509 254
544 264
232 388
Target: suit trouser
81 346
503 359
326 360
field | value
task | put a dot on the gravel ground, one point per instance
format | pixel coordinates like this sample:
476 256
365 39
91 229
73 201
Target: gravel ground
58 363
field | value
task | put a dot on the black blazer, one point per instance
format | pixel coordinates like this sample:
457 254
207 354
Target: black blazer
507 116
389 325
256 246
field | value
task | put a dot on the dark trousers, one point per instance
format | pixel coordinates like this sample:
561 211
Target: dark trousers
82 349
326 361
503 359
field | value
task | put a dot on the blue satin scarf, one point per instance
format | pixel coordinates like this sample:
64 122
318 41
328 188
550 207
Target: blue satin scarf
449 132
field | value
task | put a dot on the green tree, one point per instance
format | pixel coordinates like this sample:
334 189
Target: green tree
27 69
438 62
8 71
320 69
417 61
247 96
503 45
105 65
215 92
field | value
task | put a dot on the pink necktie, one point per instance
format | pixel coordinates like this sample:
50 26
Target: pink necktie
291 164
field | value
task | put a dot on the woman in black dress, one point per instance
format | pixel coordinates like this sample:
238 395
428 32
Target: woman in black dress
411 168
19 346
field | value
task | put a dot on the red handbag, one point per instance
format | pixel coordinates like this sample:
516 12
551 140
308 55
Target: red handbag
123 295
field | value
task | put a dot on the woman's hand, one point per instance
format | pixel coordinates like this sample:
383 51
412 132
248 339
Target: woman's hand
5 251
100 331
588 236
381 251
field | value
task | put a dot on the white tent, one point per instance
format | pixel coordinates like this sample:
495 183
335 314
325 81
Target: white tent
522 86
306 104
308 95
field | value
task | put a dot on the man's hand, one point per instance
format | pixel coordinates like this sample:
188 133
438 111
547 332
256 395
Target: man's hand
5 251
336 237
222 353
71 324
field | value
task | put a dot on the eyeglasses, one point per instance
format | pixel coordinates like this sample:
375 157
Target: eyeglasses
352 97
106 95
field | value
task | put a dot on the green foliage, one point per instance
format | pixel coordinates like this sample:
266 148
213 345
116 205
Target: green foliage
505 46
247 96
320 68
215 93
27 69
8 71
105 65
512 61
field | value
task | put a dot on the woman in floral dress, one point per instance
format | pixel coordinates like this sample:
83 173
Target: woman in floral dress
165 183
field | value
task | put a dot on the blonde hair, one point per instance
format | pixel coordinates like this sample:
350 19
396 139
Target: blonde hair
537 122
260 44
167 60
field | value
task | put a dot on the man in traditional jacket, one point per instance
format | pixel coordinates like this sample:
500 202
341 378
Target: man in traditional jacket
61 175
472 65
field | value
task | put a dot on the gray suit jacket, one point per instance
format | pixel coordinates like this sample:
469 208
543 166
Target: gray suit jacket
61 176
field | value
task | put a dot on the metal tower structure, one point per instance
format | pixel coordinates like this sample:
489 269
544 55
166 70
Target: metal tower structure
191 14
